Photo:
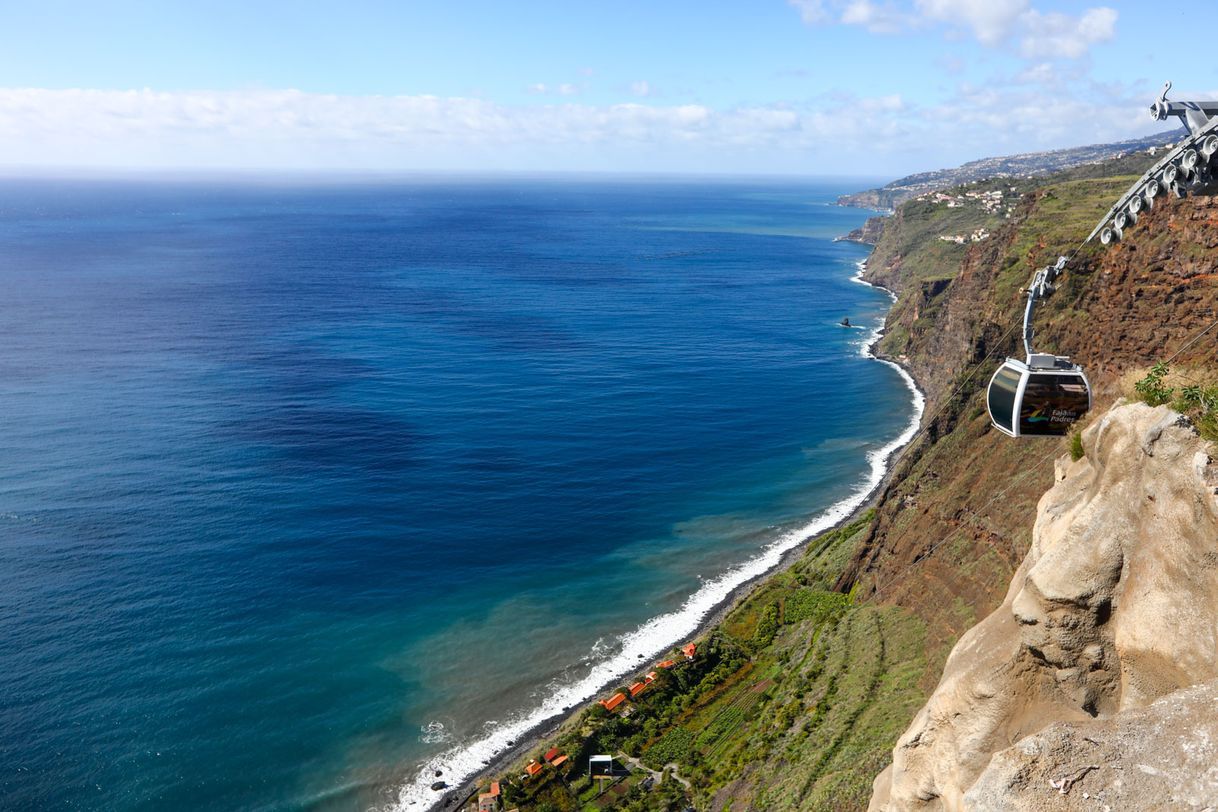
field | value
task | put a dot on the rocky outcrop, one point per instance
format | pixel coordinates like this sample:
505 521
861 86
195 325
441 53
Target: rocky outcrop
1164 756
1098 672
866 234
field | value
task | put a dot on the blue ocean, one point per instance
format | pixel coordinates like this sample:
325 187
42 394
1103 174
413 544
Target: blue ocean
309 487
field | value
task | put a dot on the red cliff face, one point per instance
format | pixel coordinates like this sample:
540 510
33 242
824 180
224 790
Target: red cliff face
955 520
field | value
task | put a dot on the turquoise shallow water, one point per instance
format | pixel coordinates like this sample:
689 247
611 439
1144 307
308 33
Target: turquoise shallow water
302 484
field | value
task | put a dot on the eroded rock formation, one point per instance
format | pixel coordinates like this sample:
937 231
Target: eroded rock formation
1098 672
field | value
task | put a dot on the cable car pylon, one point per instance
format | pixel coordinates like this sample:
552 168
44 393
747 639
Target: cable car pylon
1188 168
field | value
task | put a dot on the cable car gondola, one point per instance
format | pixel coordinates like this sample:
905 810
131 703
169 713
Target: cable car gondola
1042 397
1046 394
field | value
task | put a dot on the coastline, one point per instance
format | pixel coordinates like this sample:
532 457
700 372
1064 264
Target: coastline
464 767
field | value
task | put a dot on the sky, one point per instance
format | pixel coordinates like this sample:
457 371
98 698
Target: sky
793 87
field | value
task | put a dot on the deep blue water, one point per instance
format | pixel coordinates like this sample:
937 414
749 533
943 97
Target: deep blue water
291 471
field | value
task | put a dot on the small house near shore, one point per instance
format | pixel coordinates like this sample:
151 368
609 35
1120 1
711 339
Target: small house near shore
614 702
689 651
600 766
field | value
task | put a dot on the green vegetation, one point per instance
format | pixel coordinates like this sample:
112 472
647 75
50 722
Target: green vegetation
1151 390
916 244
814 605
1076 446
767 627
1195 399
674 746
1200 403
794 702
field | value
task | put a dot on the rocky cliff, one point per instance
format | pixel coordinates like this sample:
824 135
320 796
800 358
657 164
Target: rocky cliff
1097 675
867 234
957 519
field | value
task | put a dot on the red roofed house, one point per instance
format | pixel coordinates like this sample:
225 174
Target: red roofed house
668 664
558 762
494 789
551 754
651 677
689 650
614 701
488 802
532 769
637 689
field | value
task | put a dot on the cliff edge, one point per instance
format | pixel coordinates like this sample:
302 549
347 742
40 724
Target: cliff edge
1094 682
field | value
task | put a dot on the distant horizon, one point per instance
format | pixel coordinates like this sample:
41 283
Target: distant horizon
323 173
373 174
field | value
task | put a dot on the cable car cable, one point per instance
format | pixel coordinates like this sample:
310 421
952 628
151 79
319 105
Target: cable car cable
1027 471
1194 340
959 534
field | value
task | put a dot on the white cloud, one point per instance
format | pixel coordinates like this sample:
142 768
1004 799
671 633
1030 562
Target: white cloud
1042 73
1002 119
810 11
564 89
993 23
1055 35
291 129
640 88
878 19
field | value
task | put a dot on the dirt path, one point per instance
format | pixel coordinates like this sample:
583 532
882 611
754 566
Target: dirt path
670 768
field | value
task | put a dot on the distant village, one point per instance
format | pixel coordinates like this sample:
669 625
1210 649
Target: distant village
993 202
1025 165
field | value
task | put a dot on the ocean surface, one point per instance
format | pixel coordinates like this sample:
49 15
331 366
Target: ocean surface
306 484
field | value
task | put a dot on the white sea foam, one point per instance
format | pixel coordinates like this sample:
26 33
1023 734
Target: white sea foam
434 733
660 633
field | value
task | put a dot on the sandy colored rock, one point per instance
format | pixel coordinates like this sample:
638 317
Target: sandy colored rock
1114 607
1162 757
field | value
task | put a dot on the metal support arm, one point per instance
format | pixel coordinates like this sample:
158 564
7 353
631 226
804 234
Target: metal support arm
1194 114
1042 286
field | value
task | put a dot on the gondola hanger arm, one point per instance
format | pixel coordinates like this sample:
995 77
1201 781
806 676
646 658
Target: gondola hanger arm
1040 287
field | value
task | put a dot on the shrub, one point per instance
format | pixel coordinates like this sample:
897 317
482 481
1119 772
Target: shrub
1151 389
1200 403
814 604
767 627
1076 446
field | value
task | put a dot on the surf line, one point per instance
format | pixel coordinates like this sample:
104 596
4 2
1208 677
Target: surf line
460 763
